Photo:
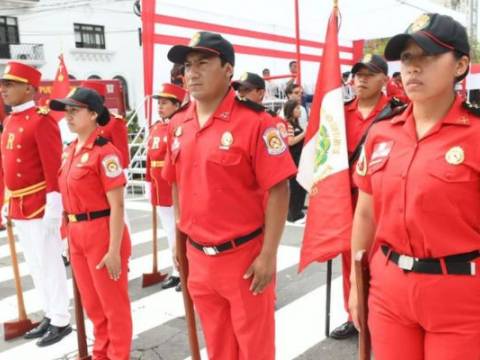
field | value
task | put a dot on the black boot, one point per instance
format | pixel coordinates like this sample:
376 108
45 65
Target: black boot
344 331
39 330
171 282
54 334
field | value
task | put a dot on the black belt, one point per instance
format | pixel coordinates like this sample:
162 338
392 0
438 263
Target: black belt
459 264
87 216
214 250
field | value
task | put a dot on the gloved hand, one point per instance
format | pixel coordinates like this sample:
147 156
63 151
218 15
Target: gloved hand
53 210
148 190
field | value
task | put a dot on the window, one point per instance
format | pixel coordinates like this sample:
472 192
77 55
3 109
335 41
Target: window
9 30
89 36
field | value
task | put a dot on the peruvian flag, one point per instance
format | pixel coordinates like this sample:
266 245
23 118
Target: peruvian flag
60 87
323 170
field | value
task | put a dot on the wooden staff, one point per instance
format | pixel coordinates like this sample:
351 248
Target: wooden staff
181 250
80 321
155 277
362 276
13 329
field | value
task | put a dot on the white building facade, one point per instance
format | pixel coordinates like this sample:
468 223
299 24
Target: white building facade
98 39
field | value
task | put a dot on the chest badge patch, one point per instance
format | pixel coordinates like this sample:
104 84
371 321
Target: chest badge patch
84 158
455 156
226 141
175 144
273 141
178 131
380 152
112 167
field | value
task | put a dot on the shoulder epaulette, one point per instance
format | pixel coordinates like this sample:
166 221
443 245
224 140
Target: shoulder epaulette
471 108
349 101
250 104
101 141
42 110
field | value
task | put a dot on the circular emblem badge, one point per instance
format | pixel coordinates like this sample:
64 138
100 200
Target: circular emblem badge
178 131
367 58
421 23
195 39
455 156
273 141
227 139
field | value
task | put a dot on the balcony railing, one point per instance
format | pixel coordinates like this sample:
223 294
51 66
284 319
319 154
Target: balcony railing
32 52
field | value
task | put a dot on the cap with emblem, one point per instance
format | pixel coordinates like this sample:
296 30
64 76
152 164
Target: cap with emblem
19 72
434 33
203 41
96 85
250 81
171 91
374 63
83 98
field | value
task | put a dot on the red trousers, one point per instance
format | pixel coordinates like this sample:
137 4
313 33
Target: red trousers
236 323
422 316
106 302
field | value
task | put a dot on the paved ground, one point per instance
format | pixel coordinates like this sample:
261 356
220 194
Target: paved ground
159 323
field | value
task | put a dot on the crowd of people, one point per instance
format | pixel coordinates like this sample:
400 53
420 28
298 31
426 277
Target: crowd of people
415 173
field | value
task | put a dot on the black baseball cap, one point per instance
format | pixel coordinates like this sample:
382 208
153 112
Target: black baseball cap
249 80
434 33
203 41
372 62
84 98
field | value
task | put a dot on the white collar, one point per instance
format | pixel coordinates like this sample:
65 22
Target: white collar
23 107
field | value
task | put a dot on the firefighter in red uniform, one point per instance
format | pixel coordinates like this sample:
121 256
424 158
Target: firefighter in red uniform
115 130
31 154
91 182
419 204
369 77
395 88
170 98
251 86
223 155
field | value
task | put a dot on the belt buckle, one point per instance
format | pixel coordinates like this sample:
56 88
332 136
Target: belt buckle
72 218
210 250
406 262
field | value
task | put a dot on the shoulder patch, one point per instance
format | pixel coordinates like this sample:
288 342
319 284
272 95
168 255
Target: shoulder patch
42 110
250 104
471 108
101 141
111 165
